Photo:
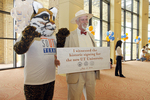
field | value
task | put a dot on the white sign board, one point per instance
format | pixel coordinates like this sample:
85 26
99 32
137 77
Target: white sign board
83 59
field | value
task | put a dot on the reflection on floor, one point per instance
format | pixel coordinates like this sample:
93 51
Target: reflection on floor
5 66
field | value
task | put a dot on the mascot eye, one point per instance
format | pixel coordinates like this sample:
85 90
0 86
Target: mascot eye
45 17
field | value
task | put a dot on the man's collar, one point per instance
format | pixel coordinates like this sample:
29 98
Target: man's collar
80 30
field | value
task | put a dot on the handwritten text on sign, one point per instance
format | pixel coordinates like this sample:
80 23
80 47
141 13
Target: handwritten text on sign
83 59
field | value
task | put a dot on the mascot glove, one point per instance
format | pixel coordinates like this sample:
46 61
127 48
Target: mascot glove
30 31
63 32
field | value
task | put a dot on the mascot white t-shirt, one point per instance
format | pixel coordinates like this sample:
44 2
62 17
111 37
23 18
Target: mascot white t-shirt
39 62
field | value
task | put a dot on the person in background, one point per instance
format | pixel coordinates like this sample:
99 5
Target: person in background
146 48
81 81
111 61
143 57
147 55
119 57
143 49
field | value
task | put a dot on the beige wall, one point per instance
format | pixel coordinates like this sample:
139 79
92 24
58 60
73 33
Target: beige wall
67 10
115 25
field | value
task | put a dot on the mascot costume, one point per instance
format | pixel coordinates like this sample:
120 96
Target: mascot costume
39 45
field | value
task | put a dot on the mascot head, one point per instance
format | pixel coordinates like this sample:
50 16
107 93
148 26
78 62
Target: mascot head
43 19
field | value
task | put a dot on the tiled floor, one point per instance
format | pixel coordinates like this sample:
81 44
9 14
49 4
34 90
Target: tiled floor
136 85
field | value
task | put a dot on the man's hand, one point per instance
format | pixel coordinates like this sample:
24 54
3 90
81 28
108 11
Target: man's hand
122 57
56 61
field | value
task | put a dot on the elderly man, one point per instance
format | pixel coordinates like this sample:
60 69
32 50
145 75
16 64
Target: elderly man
81 81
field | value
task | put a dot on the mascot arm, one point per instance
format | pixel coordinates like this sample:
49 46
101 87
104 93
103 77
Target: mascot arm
61 37
28 35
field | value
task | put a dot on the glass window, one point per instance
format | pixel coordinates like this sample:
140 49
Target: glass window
122 30
134 51
105 11
100 31
122 48
86 6
135 6
135 21
96 26
122 3
134 35
105 29
148 34
148 37
122 18
128 51
130 25
104 43
95 8
149 24
128 4
128 30
128 19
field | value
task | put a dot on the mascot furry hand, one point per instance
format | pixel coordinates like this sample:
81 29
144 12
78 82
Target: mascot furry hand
42 26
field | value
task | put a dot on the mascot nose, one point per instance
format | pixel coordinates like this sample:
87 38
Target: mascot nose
52 23
54 28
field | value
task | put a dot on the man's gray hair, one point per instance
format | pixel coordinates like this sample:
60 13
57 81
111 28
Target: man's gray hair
77 19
